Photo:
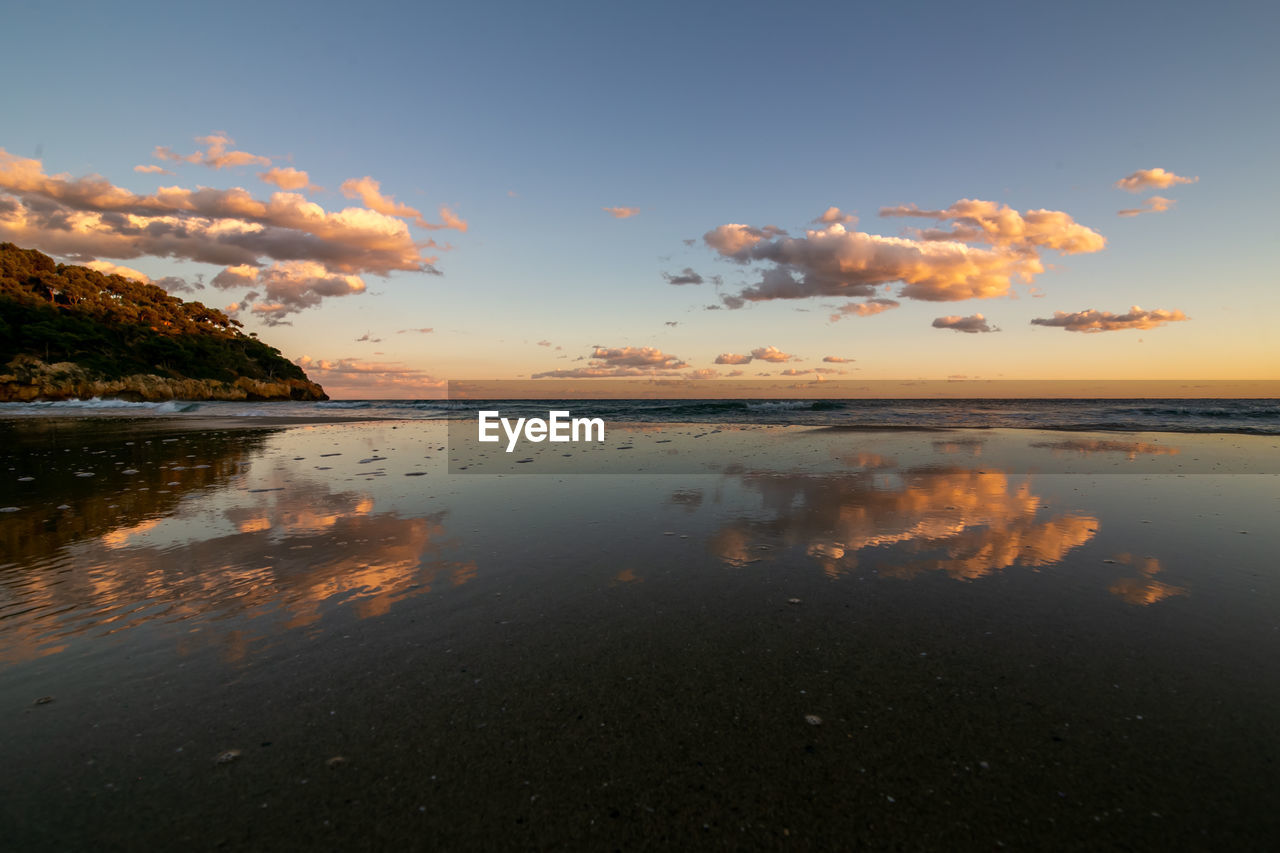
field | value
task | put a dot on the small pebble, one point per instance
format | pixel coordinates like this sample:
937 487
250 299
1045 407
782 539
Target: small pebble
227 757
793 601
43 700
335 762
813 719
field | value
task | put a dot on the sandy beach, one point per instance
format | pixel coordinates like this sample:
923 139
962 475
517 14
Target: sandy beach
366 635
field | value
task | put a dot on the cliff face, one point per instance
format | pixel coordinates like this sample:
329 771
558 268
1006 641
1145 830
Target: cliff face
27 379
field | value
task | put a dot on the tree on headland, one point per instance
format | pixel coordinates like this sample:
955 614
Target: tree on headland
115 326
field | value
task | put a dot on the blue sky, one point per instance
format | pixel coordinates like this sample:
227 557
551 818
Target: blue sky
525 120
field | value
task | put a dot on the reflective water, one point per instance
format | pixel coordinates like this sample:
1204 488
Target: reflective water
332 591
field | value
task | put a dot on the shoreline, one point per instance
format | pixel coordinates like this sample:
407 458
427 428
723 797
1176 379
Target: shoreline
212 421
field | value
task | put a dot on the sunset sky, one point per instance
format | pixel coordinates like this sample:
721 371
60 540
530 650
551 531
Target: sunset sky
398 195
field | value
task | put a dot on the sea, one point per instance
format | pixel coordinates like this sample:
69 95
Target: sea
1253 416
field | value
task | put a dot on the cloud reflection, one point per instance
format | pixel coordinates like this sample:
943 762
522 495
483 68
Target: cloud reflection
964 522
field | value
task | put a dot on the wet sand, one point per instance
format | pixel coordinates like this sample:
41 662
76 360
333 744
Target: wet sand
328 635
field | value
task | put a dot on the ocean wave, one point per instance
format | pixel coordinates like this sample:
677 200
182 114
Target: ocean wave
97 404
1244 416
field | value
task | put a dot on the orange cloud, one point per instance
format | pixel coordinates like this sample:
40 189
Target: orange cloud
1151 179
369 191
771 354
971 324
866 308
349 377
292 286
449 220
152 170
1000 225
287 178
732 358
1155 204
621 212
835 359
215 156
833 215
621 362
89 218
108 268
936 266
1105 321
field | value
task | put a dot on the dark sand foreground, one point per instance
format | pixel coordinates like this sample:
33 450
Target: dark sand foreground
319 637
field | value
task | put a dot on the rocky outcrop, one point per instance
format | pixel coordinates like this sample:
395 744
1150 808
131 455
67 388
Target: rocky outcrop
28 379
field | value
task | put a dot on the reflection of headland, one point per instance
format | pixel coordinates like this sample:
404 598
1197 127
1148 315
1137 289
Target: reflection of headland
285 558
964 522
136 478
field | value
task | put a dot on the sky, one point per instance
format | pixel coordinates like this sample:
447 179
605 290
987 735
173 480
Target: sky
397 195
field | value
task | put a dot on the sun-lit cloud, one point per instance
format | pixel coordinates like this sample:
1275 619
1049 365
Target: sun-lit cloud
152 169
835 359
425 331
90 219
1105 321
1154 204
972 324
170 283
934 265
833 215
977 221
794 371
621 212
370 193
866 308
349 377
108 268
287 178
215 155
289 286
1151 179
732 358
771 354
448 219
621 362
